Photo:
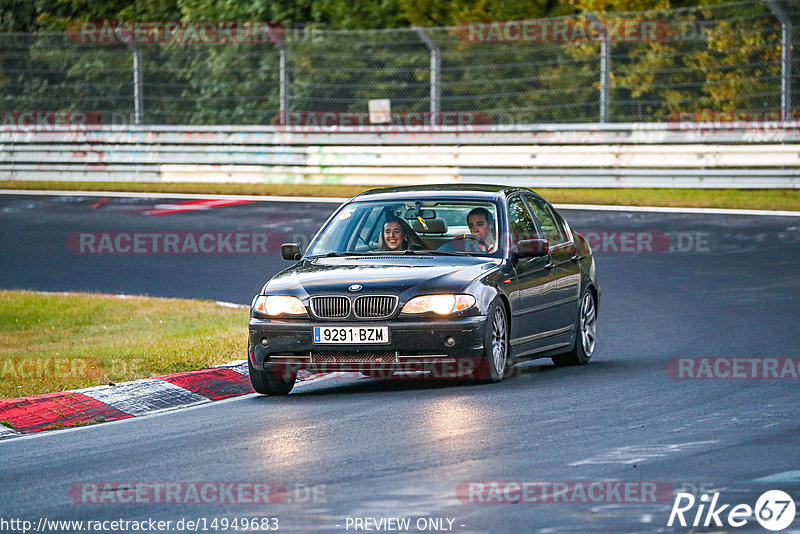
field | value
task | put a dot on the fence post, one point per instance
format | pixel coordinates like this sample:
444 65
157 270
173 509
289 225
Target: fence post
284 83
436 67
138 97
605 67
786 57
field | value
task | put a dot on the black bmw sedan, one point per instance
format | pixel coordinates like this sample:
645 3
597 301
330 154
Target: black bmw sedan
443 280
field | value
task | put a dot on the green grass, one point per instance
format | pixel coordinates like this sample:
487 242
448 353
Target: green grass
52 343
763 199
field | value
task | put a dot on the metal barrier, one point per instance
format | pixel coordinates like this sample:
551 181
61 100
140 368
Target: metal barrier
589 155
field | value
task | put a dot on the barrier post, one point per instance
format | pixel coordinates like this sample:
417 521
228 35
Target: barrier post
284 83
786 58
605 68
138 97
436 67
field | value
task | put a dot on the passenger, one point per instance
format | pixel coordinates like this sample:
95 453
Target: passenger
395 235
481 225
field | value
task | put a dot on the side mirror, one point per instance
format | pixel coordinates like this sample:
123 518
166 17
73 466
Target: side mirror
533 248
291 251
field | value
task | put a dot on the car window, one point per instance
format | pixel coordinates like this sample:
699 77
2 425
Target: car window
429 224
520 222
551 227
370 229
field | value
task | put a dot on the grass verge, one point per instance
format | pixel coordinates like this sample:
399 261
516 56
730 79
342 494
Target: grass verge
52 343
762 199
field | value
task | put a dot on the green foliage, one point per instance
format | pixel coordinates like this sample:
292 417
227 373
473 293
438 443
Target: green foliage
719 57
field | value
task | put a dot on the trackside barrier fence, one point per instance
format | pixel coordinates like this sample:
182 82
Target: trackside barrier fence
557 155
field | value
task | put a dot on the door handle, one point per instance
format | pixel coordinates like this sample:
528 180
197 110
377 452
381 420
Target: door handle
575 257
549 265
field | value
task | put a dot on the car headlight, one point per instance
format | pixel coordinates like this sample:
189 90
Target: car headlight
441 304
273 305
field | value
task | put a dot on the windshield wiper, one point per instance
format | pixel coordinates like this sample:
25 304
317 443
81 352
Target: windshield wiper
334 254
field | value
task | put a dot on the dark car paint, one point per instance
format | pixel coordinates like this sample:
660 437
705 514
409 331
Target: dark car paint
541 294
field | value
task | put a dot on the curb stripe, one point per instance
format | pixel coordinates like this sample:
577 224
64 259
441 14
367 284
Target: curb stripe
213 384
34 414
144 396
7 433
126 400
194 205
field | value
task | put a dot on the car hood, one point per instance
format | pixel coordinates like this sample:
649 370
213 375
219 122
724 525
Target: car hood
380 274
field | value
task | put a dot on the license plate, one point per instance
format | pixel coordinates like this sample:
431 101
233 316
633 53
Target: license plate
351 335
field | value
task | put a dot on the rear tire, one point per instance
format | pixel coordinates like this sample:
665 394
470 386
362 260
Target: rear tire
493 365
585 334
271 383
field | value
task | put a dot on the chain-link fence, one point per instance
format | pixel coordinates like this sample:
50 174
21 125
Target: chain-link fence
622 67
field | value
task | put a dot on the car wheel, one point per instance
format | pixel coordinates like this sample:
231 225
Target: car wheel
493 365
270 382
586 332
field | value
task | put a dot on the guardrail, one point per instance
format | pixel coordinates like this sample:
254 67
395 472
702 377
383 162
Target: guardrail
589 155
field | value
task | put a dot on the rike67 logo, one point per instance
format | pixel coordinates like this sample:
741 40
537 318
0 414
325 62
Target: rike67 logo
774 510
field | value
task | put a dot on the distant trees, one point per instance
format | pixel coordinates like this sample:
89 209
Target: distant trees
718 57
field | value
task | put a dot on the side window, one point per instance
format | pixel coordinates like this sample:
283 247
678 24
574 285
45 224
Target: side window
520 222
552 228
369 231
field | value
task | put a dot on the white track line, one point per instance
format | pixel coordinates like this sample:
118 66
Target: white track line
670 209
124 194
336 200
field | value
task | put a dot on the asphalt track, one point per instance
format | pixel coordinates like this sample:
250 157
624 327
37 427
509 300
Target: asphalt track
401 448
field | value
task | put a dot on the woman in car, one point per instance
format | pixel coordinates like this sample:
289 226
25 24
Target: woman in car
395 235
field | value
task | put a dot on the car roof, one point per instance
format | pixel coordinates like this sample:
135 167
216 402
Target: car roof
487 191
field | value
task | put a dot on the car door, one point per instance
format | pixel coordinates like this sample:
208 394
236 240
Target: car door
563 265
534 285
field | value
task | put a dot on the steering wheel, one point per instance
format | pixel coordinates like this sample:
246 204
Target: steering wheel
472 237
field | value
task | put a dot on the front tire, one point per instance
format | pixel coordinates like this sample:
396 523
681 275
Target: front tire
585 334
270 382
493 365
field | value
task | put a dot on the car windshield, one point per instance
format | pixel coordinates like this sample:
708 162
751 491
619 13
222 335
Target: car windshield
405 227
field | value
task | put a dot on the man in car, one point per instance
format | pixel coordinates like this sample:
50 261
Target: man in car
481 225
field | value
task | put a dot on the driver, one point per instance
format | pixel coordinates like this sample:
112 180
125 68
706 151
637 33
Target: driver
481 224
395 235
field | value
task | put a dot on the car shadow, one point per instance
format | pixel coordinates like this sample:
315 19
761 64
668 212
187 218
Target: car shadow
349 384
335 386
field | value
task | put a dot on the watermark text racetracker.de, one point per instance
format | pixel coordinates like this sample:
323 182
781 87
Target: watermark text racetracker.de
150 524
202 493
354 121
610 241
646 241
565 491
176 32
734 368
42 368
174 242
584 30
43 120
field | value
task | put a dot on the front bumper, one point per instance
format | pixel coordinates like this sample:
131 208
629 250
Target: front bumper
414 346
